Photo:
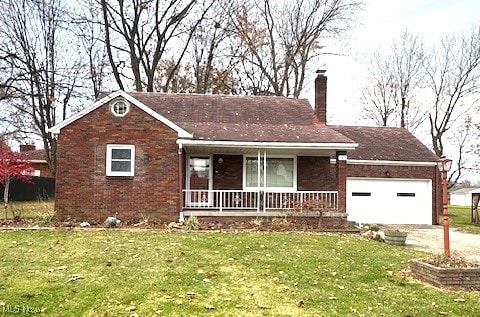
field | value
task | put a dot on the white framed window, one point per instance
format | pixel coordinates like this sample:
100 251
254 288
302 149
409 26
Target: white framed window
120 108
120 160
277 172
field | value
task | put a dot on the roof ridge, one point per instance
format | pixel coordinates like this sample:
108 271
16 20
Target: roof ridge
189 94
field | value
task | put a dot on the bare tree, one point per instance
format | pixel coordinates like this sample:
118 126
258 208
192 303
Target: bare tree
452 74
89 31
408 57
461 146
185 80
379 97
44 69
279 39
139 34
396 78
212 52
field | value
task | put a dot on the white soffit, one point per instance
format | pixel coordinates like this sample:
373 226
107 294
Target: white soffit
272 145
390 163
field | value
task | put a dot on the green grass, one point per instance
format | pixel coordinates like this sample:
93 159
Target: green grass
28 209
215 274
460 217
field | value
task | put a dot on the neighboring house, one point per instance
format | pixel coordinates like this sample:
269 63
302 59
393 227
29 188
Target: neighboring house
37 160
463 196
42 186
165 156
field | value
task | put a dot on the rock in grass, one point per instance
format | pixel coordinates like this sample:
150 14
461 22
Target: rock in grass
74 277
131 308
112 222
300 303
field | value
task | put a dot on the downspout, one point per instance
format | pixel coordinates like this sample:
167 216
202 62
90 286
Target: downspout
180 183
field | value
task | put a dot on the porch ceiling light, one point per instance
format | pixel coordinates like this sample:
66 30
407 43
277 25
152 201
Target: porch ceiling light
444 164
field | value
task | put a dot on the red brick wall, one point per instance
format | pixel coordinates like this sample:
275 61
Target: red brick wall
43 168
229 173
316 173
84 192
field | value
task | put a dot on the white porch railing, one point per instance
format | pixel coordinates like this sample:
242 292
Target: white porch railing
258 200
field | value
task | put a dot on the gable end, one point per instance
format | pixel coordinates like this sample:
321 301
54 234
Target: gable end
114 97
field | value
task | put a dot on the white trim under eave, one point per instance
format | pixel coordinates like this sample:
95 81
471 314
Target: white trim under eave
390 163
36 161
270 145
181 132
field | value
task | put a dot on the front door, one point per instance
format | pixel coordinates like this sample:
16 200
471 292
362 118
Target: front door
199 181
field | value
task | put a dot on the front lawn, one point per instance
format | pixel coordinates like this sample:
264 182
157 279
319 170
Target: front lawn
123 273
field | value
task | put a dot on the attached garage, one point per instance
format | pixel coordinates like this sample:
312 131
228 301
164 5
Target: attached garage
389 200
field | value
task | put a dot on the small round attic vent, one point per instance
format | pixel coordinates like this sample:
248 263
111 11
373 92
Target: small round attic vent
120 108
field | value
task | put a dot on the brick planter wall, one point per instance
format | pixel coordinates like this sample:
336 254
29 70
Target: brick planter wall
458 278
330 220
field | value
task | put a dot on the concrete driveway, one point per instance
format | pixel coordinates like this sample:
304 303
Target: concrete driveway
430 239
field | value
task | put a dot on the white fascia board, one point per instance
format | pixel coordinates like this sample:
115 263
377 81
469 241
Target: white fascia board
390 163
181 132
56 128
36 161
272 145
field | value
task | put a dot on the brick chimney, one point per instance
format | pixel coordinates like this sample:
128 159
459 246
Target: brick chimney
27 147
321 97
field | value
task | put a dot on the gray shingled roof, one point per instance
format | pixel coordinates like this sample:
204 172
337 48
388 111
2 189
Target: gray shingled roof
35 155
242 118
386 143
279 119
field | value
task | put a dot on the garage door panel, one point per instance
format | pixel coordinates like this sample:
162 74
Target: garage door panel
389 201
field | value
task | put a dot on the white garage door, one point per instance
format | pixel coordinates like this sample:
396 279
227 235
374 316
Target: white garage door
389 201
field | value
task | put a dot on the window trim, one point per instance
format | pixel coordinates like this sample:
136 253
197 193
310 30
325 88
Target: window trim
111 147
286 189
112 107
187 201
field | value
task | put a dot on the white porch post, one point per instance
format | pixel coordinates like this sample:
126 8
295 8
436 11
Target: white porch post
258 180
264 180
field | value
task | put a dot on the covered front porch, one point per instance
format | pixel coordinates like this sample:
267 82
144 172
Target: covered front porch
229 179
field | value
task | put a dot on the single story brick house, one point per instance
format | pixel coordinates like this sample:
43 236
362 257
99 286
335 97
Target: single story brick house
37 160
169 156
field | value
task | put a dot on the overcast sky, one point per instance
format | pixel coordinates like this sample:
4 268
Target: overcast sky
378 24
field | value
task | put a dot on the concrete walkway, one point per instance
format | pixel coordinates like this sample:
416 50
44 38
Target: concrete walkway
430 239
